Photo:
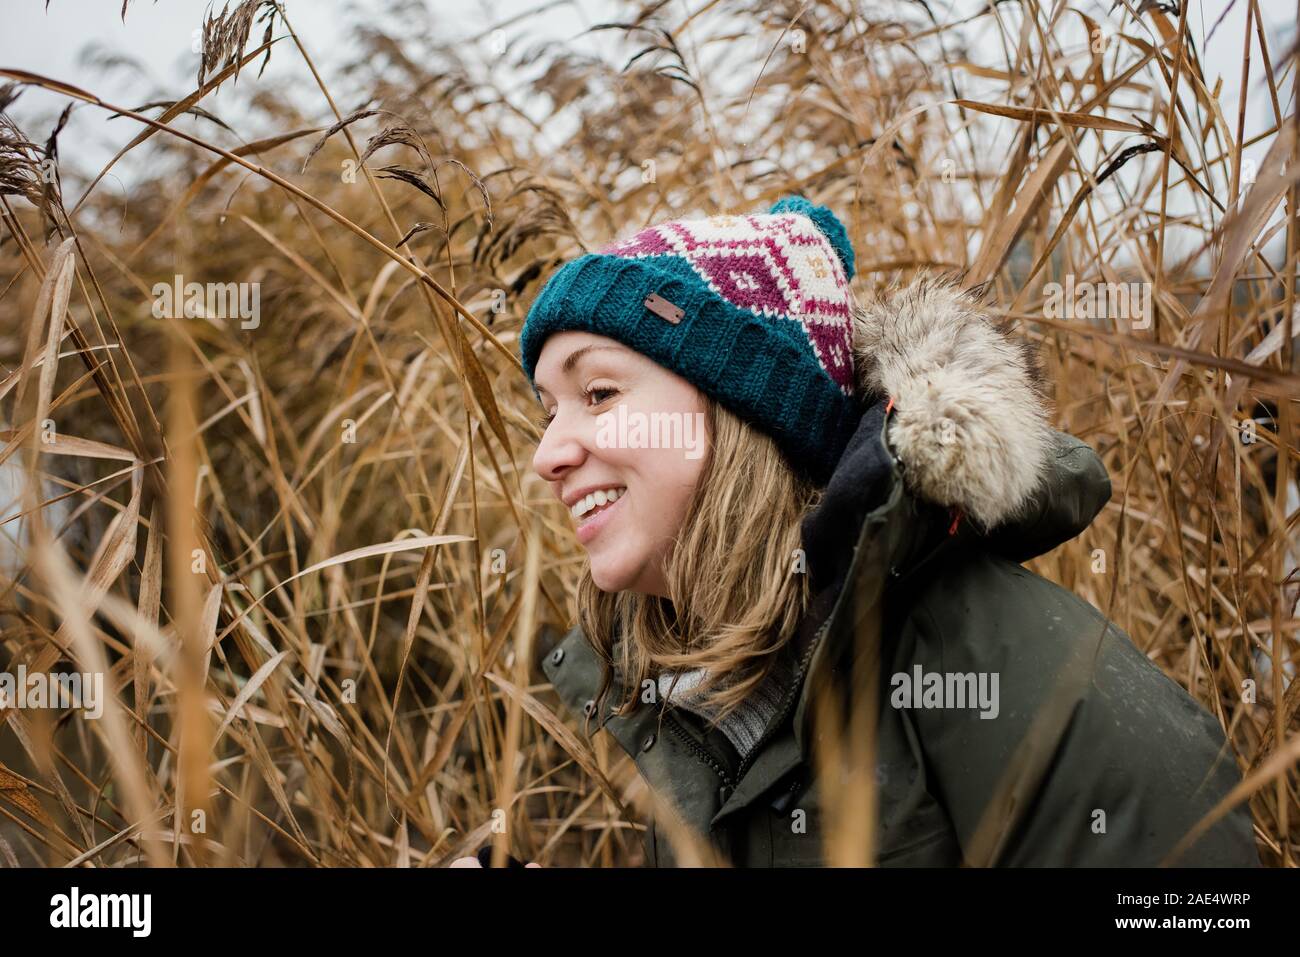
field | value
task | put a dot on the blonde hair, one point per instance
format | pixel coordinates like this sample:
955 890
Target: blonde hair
737 587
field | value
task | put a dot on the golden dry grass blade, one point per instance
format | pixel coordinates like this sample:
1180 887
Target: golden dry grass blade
562 734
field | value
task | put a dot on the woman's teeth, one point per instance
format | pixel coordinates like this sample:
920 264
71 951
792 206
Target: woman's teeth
597 500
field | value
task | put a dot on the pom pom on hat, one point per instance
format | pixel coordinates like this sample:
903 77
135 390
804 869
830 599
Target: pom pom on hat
826 221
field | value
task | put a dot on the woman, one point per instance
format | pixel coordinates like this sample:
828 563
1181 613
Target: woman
849 531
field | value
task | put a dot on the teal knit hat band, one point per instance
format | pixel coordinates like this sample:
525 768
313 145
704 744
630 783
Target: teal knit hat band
754 310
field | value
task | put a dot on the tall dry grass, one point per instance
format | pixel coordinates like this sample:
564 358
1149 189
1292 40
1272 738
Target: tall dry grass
312 557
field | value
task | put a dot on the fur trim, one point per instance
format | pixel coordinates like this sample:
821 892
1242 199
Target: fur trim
970 419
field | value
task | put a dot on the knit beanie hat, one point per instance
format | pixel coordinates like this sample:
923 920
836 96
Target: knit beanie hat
754 310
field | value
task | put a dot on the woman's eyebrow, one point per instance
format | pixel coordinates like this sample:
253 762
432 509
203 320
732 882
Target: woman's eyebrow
577 354
575 357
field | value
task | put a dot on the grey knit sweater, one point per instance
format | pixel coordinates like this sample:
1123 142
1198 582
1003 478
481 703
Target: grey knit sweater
746 724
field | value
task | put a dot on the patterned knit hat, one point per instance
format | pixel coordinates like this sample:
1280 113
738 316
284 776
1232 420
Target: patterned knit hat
754 310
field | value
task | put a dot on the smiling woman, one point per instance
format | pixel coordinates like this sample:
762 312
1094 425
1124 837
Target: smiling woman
663 568
872 479
628 501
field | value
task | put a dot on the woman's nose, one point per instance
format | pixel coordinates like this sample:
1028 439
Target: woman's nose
560 450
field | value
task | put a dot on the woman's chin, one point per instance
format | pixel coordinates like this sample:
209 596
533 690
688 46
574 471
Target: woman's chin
614 576
609 577
615 572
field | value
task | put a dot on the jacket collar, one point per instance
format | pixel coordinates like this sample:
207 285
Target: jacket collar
959 448
868 533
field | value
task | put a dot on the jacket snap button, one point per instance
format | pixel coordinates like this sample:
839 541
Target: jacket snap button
557 656
648 743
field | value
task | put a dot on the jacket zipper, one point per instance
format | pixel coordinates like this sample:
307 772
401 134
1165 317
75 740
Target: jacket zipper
790 698
797 684
684 736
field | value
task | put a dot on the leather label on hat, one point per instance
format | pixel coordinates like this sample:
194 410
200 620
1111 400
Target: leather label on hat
662 307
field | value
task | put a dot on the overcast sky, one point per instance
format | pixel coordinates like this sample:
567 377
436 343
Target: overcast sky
162 36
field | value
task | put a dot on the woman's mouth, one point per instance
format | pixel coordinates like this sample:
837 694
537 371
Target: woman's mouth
592 512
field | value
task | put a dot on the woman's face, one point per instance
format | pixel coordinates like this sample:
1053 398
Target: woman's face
624 449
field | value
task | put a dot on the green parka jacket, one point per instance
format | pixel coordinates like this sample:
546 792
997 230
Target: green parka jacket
1090 755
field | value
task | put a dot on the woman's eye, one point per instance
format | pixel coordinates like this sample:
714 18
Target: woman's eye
594 397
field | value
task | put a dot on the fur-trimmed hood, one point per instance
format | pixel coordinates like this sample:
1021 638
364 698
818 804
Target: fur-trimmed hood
957 417
970 419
